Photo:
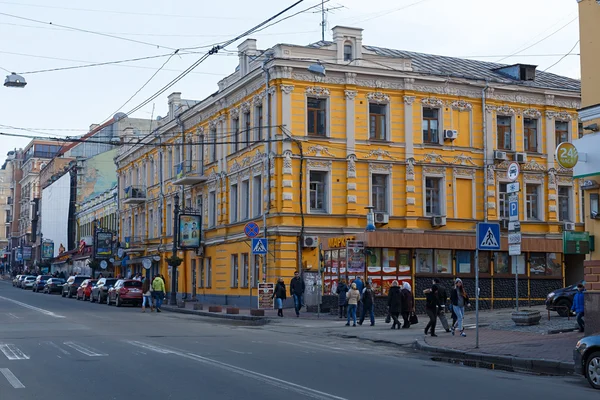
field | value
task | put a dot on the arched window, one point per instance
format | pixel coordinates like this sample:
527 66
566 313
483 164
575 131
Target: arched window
348 52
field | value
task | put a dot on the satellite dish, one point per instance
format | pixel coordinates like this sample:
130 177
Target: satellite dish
119 116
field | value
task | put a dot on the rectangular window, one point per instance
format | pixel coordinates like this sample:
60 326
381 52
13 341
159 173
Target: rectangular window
532 201
245 270
200 276
433 199
431 125
594 205
504 132
464 198
245 201
318 191
212 209
564 203
246 137
530 134
502 201
213 146
316 116
561 132
501 263
257 194
208 268
256 270
234 271
379 192
377 121
169 222
169 166
235 134
233 204
258 123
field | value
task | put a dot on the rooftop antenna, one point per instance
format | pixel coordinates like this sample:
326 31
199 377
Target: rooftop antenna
324 12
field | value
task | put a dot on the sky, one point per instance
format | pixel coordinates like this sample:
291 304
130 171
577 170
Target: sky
37 35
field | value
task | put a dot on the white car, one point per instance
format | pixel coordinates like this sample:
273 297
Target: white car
28 282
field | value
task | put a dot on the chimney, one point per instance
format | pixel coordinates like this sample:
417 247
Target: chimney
126 132
174 103
93 126
246 51
348 43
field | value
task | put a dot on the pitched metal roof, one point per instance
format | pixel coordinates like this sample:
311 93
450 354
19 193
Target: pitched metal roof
469 69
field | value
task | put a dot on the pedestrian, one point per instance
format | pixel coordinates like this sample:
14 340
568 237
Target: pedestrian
579 306
353 297
147 295
368 304
408 304
297 291
342 290
459 300
165 283
158 288
279 295
395 303
442 301
431 307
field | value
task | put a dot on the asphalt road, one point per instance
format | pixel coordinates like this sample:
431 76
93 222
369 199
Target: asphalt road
56 348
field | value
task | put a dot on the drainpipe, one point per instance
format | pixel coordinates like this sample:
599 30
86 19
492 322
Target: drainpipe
485 154
267 207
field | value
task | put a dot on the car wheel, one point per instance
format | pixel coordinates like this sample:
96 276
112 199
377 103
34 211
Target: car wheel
63 294
99 298
92 299
70 294
592 370
118 302
563 307
108 300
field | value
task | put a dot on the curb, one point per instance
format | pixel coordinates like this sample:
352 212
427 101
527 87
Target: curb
251 320
541 366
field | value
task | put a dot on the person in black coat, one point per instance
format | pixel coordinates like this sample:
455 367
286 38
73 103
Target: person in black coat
280 295
297 287
408 304
368 302
341 291
431 306
443 300
395 303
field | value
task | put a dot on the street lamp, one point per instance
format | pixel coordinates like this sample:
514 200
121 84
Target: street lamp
15 80
370 219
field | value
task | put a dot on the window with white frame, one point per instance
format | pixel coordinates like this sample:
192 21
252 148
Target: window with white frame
258 122
151 175
245 200
235 134
378 121
212 209
564 203
530 134
257 195
169 220
316 116
433 196
170 164
594 205
247 130
208 270
532 201
379 192
348 53
504 132
233 203
200 276
561 132
503 201
245 270
212 154
319 187
234 271
431 125
151 232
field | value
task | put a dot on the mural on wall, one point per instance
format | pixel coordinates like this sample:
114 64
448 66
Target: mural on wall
99 175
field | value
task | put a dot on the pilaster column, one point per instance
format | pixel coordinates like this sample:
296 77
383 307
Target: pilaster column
287 183
550 139
411 203
408 126
351 196
286 113
350 121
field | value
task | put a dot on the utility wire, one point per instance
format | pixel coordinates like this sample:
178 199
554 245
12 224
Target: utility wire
5 69
564 56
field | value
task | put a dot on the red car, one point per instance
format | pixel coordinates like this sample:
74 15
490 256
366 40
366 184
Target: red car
125 291
84 291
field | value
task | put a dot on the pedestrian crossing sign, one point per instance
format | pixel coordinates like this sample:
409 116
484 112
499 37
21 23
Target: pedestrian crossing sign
488 236
259 246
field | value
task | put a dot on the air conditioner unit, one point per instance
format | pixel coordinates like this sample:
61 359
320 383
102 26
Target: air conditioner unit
450 134
521 158
438 221
500 155
569 226
504 224
382 218
310 241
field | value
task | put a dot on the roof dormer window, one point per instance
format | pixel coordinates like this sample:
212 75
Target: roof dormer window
348 56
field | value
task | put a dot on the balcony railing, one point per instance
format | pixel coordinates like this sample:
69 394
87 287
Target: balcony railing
134 194
187 173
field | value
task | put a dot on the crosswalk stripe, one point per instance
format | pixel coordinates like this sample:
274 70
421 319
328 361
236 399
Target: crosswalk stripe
88 351
11 378
12 352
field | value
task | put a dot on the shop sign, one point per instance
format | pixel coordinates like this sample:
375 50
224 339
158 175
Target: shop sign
566 155
337 242
265 296
576 242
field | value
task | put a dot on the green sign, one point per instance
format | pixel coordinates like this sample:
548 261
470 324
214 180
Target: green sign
576 242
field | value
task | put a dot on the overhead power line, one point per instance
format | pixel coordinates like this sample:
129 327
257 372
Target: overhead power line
564 56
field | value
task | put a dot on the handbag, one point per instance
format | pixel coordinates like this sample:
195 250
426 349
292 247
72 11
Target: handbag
388 318
414 319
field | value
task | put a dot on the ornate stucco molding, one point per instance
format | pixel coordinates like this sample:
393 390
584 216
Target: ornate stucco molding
287 89
350 94
433 157
379 154
351 172
319 164
378 97
533 165
380 167
532 113
432 102
461 105
319 150
410 169
317 91
409 99
463 159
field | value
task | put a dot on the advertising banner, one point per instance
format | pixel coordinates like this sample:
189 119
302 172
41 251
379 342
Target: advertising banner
47 250
104 244
265 296
189 231
26 253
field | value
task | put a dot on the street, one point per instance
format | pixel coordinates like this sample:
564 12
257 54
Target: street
54 348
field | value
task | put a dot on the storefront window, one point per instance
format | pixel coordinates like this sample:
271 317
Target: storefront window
520 265
464 260
554 264
501 263
425 261
374 269
484 262
443 261
537 264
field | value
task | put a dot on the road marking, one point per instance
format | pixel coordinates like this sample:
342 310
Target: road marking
311 347
11 378
57 347
324 346
13 316
238 352
313 393
40 310
12 352
88 351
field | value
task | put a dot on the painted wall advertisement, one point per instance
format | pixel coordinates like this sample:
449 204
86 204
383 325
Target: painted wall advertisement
189 231
265 296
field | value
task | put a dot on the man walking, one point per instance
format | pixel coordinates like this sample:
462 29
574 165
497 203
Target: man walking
442 301
579 306
158 289
297 291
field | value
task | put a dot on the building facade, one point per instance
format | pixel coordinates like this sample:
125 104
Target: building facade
5 216
425 140
12 166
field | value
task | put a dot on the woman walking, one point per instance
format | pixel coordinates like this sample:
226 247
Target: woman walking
459 300
408 304
147 295
368 304
431 306
395 303
341 291
353 297
280 296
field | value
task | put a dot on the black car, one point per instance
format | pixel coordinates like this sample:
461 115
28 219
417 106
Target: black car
100 290
70 288
54 285
561 300
40 282
587 359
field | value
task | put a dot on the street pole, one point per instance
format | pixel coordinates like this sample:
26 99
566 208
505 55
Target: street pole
477 298
174 250
517 280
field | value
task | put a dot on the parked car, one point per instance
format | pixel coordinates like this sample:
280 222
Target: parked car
40 282
100 290
16 280
20 281
70 288
125 291
587 359
54 285
84 291
561 300
28 282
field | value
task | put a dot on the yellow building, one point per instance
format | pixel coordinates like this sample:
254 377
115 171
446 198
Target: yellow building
426 140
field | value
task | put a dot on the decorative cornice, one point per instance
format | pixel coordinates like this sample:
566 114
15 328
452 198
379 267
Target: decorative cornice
505 110
433 102
317 91
433 157
378 97
235 113
379 167
316 164
532 113
319 150
434 170
245 107
379 154
538 178
461 105
350 78
533 165
468 172
565 171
